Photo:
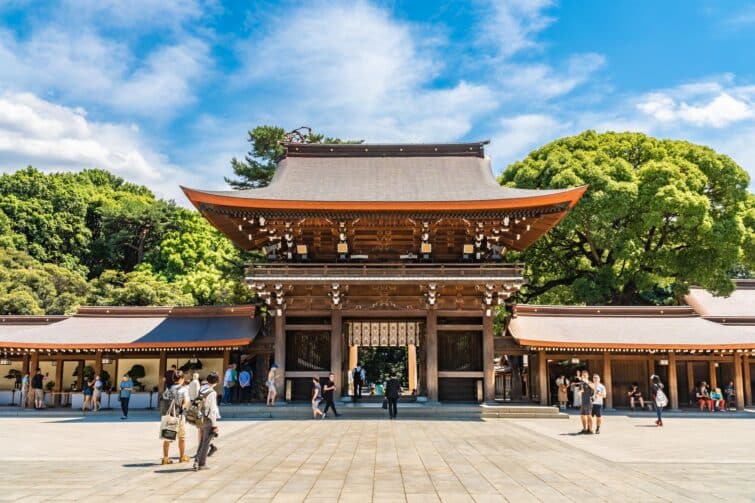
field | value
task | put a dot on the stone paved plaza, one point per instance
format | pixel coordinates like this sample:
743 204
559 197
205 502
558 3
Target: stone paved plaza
104 459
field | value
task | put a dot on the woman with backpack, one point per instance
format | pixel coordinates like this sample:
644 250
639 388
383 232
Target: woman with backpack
659 397
178 395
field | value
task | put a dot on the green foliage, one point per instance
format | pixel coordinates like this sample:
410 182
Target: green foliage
381 362
659 216
137 372
137 288
258 166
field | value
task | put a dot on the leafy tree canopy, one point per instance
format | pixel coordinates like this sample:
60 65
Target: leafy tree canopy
659 215
257 168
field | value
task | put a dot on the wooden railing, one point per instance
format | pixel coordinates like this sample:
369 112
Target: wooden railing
401 270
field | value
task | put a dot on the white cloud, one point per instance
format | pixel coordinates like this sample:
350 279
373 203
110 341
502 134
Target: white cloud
702 104
349 68
136 14
513 24
544 82
52 137
518 135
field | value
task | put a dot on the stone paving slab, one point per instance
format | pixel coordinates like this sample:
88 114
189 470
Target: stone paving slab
104 459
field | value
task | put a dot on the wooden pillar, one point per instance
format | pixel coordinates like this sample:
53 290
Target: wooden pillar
336 348
34 364
738 381
431 348
25 364
747 379
98 362
161 369
353 360
690 377
712 375
411 352
542 377
488 354
280 352
608 380
80 372
651 365
673 386
58 388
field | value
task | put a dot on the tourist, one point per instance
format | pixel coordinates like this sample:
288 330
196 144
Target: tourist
358 378
96 393
229 381
730 394
576 390
178 395
718 400
635 395
25 383
562 384
169 377
245 384
37 385
316 399
659 397
194 386
272 391
702 394
209 428
127 386
88 392
329 390
586 389
597 402
392 392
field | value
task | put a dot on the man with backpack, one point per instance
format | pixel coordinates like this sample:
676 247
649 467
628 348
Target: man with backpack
177 399
203 413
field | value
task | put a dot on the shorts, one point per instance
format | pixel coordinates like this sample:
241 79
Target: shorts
97 394
181 432
39 394
271 385
316 404
597 410
585 409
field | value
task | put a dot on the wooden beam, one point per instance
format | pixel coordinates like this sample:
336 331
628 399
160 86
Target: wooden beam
673 386
162 367
431 351
58 388
336 347
411 356
739 381
488 354
712 375
98 362
608 380
747 380
279 323
461 328
690 376
311 327
461 374
542 377
25 364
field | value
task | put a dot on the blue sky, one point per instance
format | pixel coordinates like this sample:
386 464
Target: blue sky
163 93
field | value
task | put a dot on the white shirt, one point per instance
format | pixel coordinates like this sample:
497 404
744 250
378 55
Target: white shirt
210 403
600 392
193 389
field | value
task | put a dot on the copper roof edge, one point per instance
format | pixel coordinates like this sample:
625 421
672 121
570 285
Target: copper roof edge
31 319
166 311
604 311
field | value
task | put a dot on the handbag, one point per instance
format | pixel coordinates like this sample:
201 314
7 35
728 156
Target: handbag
169 425
660 399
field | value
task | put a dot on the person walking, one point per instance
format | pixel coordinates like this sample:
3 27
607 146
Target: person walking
37 386
597 402
392 392
585 410
316 399
127 385
272 391
209 427
25 383
96 393
245 384
659 397
179 400
358 377
328 393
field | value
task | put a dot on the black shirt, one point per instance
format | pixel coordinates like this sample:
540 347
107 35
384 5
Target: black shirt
36 381
392 388
328 393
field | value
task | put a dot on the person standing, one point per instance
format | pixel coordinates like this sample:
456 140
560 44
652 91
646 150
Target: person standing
169 377
562 383
96 393
179 399
328 392
576 390
194 386
37 385
597 402
272 391
659 397
209 427
245 384
24 390
358 376
229 381
127 385
392 392
88 392
316 399
585 410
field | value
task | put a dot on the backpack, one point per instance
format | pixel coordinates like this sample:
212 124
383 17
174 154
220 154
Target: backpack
661 400
195 413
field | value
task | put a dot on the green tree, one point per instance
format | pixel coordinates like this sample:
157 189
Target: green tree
137 288
258 166
659 216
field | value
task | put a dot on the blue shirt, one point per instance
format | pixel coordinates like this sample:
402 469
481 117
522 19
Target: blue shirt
126 393
245 378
